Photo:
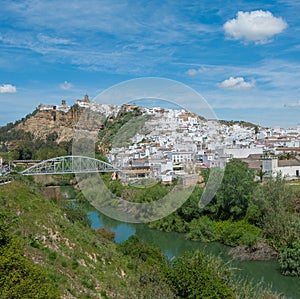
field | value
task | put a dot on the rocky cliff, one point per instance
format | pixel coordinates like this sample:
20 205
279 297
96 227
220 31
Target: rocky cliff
45 122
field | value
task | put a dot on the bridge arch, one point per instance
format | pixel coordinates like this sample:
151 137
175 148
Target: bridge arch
69 164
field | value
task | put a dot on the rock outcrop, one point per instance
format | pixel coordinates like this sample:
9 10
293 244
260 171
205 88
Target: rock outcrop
45 122
260 252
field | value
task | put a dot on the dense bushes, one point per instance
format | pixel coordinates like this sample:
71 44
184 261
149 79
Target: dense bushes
141 251
242 212
228 232
192 277
20 278
235 193
290 259
238 233
193 274
202 229
133 193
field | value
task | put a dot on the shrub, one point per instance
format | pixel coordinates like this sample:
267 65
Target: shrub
141 251
192 277
238 233
20 278
290 259
106 233
202 229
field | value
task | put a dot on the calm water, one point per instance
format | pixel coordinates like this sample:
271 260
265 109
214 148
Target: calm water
173 244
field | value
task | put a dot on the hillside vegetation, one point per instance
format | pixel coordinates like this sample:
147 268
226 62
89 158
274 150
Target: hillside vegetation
48 250
245 213
59 253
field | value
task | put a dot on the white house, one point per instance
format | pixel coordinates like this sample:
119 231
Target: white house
289 169
241 153
179 157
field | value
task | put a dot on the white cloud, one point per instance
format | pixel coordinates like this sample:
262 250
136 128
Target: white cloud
257 26
193 72
293 105
66 85
237 83
7 88
53 40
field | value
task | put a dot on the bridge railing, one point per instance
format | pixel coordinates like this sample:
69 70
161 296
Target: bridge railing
69 164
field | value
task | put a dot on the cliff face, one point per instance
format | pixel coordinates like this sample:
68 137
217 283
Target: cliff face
45 122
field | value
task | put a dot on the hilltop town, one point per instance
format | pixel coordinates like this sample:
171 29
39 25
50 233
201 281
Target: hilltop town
178 142
174 142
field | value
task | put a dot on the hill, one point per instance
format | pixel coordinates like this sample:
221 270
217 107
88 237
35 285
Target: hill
48 131
67 258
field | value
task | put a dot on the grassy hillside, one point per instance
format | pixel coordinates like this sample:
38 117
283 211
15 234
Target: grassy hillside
75 260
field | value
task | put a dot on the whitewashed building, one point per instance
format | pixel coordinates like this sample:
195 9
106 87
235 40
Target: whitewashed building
289 169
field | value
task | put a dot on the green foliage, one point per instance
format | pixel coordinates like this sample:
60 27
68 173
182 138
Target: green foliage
5 238
141 251
290 259
52 256
172 222
106 233
238 233
134 194
26 147
190 209
148 262
88 283
202 229
192 277
233 233
20 278
253 214
242 123
279 221
235 193
112 126
74 213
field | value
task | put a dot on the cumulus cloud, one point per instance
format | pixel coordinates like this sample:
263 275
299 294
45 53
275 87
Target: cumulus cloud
256 26
66 85
7 88
237 83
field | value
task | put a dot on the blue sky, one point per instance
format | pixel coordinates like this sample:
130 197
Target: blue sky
243 57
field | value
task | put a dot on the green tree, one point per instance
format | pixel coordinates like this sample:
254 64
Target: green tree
190 209
290 259
279 221
236 191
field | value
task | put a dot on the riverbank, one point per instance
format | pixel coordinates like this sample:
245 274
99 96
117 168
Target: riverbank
259 252
172 244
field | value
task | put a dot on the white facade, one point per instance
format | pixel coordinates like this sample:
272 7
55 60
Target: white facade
272 168
242 153
179 157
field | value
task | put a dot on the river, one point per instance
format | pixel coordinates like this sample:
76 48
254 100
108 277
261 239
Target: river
172 244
